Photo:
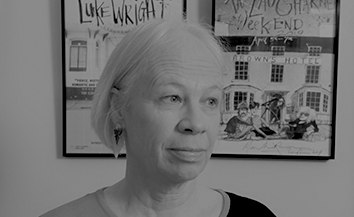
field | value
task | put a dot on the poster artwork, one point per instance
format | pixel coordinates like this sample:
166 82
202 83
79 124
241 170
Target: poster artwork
279 89
91 30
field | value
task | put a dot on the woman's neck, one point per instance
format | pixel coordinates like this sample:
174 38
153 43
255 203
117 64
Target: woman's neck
133 198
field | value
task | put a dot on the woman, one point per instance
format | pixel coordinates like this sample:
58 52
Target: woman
160 96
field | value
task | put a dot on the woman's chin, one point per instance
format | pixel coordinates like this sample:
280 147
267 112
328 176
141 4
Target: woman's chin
187 168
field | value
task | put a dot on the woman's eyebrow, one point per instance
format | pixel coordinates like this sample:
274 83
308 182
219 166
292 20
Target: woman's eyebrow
215 86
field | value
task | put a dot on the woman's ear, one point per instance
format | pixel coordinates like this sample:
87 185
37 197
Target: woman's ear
116 110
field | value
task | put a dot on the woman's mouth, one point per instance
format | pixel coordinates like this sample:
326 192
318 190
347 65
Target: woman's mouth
187 154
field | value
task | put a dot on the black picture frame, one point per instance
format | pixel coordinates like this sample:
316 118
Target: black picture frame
90 31
283 56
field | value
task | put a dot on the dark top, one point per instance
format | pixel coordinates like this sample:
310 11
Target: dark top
243 206
94 205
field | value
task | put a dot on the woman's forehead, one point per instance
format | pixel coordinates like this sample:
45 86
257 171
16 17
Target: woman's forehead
185 58
184 49
183 61
183 75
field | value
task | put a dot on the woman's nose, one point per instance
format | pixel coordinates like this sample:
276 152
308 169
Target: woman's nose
193 121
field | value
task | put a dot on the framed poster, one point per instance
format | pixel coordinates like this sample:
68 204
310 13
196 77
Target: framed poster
91 29
280 88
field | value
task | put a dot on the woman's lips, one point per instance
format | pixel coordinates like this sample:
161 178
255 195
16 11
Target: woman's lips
187 154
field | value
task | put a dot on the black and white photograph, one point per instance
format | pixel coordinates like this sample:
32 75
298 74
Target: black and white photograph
176 108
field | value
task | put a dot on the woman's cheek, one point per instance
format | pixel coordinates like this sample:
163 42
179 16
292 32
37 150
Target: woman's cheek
214 127
161 121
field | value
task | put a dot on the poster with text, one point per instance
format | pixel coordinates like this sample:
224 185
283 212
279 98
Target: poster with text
91 29
280 87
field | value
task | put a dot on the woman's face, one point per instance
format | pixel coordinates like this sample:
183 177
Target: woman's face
173 120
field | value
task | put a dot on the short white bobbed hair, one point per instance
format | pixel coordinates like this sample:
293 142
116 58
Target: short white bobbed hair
141 47
312 115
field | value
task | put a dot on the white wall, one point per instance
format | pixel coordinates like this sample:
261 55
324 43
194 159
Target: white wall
35 178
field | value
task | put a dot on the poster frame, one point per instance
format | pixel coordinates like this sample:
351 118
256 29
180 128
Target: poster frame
232 37
91 17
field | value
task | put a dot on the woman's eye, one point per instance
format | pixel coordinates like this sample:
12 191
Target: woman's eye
173 99
212 102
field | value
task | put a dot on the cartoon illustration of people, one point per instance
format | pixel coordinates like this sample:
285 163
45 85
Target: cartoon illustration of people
240 126
275 107
303 127
249 125
260 127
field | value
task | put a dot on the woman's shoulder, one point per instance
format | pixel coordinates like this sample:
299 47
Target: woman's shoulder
247 206
88 206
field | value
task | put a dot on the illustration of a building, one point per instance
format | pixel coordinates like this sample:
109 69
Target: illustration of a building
87 50
282 74
94 28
